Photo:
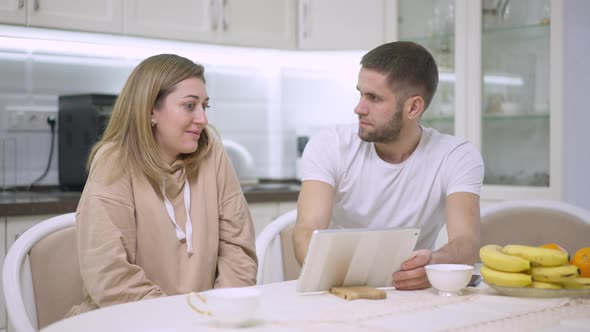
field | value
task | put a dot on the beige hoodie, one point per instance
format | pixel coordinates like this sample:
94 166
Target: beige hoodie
128 249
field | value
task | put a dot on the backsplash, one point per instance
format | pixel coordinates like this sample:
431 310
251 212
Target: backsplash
262 99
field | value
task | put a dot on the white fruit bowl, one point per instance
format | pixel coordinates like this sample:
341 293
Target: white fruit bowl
449 279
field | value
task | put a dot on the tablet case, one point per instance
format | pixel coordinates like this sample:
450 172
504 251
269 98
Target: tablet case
353 257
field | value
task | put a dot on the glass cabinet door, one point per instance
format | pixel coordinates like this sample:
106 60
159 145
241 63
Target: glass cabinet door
431 23
515 92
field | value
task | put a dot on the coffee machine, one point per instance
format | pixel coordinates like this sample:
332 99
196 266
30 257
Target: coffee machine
81 121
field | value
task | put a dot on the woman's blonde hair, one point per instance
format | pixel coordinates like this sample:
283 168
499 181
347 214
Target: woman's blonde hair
129 130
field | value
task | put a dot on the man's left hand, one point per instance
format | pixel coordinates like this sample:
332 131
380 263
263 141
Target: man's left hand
412 274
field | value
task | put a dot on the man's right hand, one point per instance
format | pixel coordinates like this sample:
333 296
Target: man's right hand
314 211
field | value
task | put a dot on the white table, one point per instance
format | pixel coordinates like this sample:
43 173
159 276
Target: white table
282 309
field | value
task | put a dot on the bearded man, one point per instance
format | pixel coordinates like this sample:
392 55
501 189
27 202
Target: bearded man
389 171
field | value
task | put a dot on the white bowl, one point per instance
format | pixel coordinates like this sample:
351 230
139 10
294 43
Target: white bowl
449 279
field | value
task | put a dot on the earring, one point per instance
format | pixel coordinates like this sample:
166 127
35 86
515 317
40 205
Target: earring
153 122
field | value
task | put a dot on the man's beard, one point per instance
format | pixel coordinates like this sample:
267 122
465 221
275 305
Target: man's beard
387 134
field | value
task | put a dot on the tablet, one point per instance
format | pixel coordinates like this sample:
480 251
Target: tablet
354 257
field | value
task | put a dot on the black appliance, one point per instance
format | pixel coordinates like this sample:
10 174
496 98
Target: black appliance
81 121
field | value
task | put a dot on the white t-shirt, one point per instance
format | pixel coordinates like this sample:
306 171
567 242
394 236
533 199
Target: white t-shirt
370 192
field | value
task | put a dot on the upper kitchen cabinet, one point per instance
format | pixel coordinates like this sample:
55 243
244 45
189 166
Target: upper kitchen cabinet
259 23
501 85
83 15
341 24
176 19
13 12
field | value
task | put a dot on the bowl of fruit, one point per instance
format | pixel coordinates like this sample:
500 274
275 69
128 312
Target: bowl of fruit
529 271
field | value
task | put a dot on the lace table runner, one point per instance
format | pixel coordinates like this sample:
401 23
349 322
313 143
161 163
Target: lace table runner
477 310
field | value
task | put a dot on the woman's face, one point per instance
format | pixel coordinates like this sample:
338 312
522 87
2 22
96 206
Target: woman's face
180 119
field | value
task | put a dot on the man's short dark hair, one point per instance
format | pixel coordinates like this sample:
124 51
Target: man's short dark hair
410 69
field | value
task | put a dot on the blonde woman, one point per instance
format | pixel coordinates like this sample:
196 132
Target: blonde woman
162 212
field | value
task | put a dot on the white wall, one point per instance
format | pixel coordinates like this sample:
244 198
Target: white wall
577 120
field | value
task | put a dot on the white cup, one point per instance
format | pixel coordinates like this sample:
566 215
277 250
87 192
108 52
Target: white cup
227 306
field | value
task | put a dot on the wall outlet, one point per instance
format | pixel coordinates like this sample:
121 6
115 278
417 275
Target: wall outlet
28 118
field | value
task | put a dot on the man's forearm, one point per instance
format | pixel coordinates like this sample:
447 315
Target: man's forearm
301 238
462 250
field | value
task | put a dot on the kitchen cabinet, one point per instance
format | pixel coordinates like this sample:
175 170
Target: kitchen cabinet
341 24
12 228
178 19
13 12
282 24
95 16
501 85
264 213
260 23
85 15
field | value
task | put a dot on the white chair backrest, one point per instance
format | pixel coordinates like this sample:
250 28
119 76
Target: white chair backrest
17 278
536 222
269 248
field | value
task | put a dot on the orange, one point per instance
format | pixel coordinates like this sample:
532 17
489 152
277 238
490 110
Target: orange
581 259
553 246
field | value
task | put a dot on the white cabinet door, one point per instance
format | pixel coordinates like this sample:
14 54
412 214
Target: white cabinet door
259 23
85 15
194 20
16 226
263 214
341 24
501 85
13 12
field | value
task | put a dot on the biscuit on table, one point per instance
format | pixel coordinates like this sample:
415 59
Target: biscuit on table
358 292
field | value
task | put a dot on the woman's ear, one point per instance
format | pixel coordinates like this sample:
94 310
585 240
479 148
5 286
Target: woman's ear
415 107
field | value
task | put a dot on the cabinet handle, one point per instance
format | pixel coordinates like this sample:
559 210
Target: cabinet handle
225 17
305 18
36 5
21 4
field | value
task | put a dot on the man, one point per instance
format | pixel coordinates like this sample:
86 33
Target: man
388 171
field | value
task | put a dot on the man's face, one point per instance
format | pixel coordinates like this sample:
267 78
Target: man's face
379 110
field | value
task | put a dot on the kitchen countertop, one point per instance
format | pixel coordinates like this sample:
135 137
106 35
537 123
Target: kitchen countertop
53 201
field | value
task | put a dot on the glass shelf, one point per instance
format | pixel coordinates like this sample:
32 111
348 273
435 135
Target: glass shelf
540 29
425 39
494 117
524 33
448 118
504 117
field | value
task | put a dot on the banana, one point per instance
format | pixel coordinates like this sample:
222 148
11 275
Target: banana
545 285
555 273
538 256
581 283
501 278
492 256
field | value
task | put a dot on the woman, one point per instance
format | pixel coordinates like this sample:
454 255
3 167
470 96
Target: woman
162 212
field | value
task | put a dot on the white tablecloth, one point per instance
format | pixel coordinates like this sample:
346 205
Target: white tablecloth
282 309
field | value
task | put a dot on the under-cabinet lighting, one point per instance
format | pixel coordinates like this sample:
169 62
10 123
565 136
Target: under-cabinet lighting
63 46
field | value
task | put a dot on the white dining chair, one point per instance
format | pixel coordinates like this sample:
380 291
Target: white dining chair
41 274
536 222
274 248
